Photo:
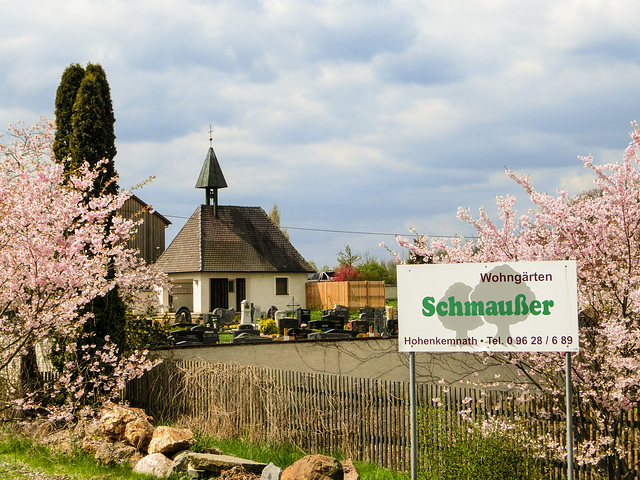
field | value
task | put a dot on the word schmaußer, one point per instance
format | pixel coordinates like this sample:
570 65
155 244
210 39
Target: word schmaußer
455 308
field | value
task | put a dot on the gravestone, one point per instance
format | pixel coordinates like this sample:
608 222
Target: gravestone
379 322
285 322
327 323
359 326
299 333
333 319
392 320
249 336
245 330
341 311
184 338
329 335
206 335
303 315
245 313
224 316
271 312
210 320
367 313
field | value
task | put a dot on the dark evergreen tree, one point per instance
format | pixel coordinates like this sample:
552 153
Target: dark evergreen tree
85 123
65 98
85 133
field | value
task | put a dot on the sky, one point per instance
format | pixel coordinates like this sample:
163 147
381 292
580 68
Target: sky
359 119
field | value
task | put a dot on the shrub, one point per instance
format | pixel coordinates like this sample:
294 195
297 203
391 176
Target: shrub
346 273
268 326
452 448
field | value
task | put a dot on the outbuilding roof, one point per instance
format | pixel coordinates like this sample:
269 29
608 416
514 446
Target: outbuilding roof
240 239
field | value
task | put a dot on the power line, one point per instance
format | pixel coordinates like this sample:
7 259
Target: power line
352 232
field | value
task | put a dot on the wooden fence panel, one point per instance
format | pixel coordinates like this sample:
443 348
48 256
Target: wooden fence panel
365 419
355 295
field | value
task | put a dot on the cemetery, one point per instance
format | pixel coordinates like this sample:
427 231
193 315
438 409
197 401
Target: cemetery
295 324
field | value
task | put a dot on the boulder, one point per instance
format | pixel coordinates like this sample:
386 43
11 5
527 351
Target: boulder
114 419
168 440
271 472
180 463
116 453
237 473
138 433
90 445
217 463
214 464
155 464
87 427
349 470
314 467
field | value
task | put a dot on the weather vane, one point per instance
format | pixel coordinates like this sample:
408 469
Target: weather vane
210 136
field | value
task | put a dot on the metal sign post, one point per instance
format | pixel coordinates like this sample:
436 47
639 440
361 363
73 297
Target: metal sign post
569 390
412 405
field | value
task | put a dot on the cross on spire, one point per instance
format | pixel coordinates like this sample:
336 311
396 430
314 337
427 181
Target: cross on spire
210 136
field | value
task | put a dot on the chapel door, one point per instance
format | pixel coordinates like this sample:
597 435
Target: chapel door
219 293
241 292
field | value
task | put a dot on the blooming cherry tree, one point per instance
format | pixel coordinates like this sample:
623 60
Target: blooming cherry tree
56 244
601 231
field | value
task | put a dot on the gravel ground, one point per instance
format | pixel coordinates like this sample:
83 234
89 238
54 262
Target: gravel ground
18 471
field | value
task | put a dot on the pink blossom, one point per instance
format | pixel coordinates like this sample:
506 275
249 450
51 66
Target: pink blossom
54 252
600 230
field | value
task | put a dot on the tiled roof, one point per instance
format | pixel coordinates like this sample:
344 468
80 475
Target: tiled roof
241 239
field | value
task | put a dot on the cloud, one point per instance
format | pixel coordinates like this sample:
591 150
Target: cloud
360 115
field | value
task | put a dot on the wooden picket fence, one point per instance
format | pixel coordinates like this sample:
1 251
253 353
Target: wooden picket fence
363 418
355 295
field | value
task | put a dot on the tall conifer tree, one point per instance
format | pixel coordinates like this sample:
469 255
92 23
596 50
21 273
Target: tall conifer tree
85 133
65 98
85 123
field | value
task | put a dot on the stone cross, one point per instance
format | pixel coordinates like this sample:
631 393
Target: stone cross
293 304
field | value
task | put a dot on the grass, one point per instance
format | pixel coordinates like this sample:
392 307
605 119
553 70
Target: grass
24 459
285 455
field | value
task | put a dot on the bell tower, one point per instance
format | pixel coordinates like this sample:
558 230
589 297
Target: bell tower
211 177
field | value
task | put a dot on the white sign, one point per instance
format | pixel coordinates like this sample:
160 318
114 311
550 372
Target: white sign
502 307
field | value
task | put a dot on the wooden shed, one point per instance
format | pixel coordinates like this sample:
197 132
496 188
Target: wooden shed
150 237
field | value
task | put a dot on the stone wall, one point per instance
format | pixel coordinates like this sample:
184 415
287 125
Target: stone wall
363 358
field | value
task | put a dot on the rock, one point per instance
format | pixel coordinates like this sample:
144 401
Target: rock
138 433
90 445
113 420
349 470
314 467
212 450
238 473
271 472
168 440
111 454
193 473
60 442
180 463
87 427
215 463
155 464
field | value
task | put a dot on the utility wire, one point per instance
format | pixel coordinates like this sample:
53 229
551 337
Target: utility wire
352 232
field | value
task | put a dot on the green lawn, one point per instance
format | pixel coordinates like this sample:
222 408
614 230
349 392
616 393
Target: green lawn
22 459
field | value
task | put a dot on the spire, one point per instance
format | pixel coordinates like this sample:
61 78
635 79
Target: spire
211 177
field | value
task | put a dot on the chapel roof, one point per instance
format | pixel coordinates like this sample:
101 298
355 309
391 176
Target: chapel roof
238 239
